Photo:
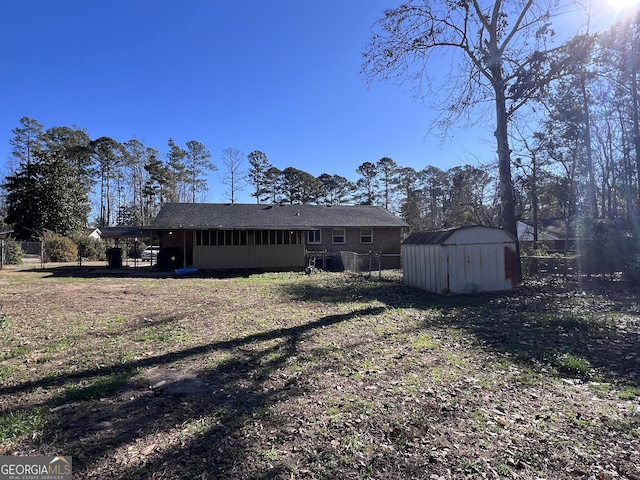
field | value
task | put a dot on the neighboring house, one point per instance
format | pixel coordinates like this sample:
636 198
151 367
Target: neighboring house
526 231
92 232
270 237
551 235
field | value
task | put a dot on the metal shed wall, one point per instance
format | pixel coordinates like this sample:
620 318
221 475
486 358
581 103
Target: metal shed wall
465 261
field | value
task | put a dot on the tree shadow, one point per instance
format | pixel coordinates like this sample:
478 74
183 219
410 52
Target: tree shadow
584 330
198 414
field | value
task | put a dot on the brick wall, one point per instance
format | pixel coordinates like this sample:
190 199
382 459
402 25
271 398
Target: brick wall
386 240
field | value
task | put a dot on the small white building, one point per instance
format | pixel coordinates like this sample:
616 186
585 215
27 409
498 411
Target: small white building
462 260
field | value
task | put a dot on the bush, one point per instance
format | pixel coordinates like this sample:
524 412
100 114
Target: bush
135 249
91 248
59 249
633 270
12 253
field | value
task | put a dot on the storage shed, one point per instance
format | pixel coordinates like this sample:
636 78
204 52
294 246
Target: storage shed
462 260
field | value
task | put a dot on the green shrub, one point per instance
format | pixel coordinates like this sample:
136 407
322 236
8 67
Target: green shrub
91 248
135 249
12 253
59 249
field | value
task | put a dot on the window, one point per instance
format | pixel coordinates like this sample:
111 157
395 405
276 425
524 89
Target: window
313 236
366 235
338 235
247 237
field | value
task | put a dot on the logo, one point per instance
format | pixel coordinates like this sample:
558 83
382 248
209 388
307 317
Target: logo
36 468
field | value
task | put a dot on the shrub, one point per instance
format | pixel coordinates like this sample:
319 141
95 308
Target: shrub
633 270
135 249
91 248
12 253
59 249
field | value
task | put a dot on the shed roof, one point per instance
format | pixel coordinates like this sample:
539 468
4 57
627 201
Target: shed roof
255 216
463 235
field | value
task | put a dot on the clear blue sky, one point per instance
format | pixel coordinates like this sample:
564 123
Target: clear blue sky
277 76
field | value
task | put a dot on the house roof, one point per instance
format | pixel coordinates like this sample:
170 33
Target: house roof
477 234
201 216
123 232
548 229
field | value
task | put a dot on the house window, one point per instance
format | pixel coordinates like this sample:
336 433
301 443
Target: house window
202 237
247 237
313 236
366 235
338 235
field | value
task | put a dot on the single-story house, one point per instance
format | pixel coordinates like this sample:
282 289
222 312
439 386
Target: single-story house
552 233
212 236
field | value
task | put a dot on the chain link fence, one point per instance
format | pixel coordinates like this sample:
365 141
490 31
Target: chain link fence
373 264
13 252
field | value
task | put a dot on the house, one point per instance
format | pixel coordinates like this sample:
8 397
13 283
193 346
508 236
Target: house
545 232
215 236
552 233
461 260
93 232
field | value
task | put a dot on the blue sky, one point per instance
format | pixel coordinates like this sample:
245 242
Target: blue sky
279 76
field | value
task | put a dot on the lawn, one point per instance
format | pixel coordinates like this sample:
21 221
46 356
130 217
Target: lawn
293 376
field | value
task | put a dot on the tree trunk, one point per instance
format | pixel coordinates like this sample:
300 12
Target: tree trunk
591 193
505 186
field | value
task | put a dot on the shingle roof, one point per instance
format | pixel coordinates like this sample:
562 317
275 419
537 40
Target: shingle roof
424 238
473 233
123 232
253 216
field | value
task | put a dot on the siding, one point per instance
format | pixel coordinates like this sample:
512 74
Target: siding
249 257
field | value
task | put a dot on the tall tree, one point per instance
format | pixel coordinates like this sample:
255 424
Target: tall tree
232 159
335 189
135 158
298 186
177 182
27 141
411 198
109 155
156 186
273 184
436 187
256 175
502 54
387 171
368 183
197 164
44 194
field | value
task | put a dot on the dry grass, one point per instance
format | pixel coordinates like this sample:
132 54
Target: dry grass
322 376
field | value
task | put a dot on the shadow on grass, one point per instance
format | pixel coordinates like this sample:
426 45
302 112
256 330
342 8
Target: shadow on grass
140 271
204 412
589 331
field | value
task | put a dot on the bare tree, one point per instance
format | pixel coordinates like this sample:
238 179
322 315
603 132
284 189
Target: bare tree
501 53
232 159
